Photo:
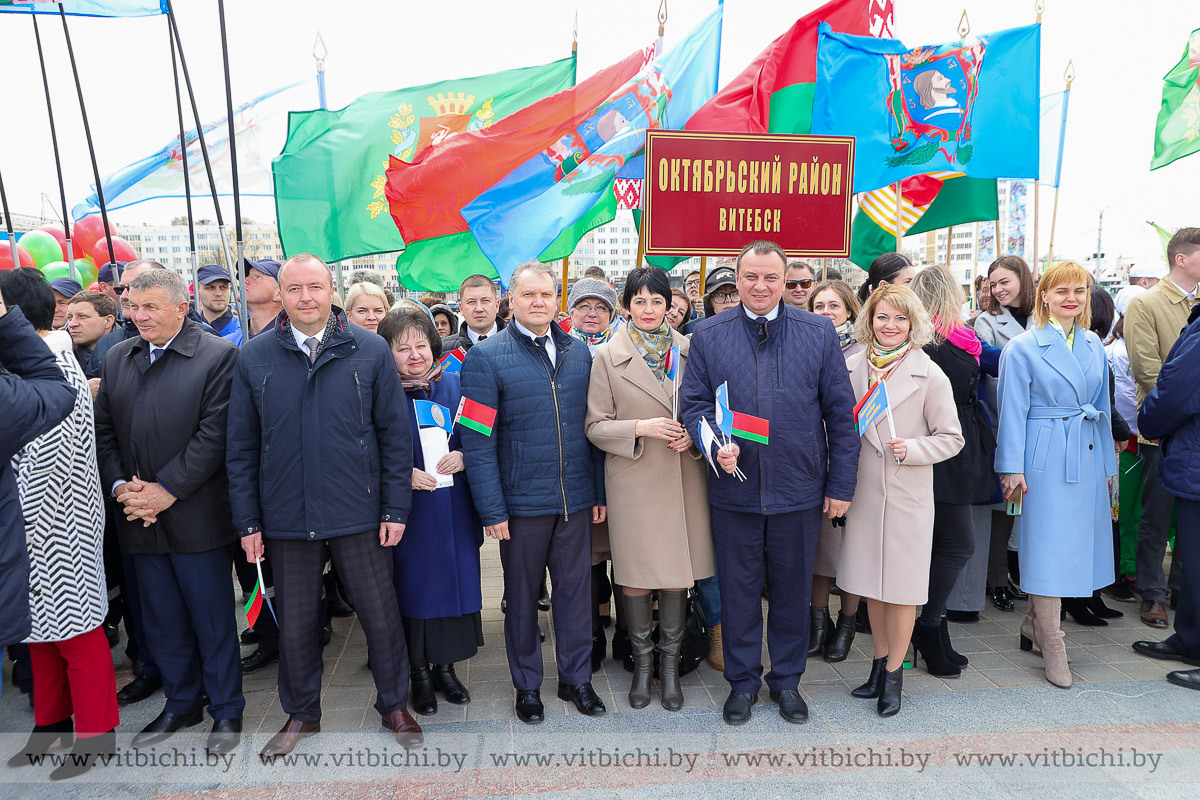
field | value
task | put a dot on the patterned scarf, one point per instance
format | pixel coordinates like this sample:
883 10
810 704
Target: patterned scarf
845 333
592 340
653 346
425 381
883 361
1069 336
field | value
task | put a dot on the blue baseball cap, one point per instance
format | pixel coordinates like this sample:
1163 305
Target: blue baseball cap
266 266
105 275
67 287
207 273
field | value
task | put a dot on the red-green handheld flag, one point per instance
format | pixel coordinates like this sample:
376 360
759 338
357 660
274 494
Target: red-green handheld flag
756 429
475 416
254 605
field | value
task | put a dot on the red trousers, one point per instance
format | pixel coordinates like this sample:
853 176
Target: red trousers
75 677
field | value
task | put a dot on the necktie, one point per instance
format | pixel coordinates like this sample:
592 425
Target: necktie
313 344
155 352
482 336
541 340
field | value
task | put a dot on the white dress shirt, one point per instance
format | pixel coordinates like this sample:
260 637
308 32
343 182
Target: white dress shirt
550 348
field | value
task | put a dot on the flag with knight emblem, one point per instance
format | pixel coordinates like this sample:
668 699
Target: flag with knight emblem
329 178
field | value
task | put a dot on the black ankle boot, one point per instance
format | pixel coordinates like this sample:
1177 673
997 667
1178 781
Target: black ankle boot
446 682
927 641
1077 607
862 622
1098 608
44 737
837 646
871 687
423 700
599 648
956 658
85 755
889 692
819 625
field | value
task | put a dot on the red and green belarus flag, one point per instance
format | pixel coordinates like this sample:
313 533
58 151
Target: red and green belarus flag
475 416
756 429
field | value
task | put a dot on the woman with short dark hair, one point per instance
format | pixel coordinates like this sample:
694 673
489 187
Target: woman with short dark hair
658 520
437 572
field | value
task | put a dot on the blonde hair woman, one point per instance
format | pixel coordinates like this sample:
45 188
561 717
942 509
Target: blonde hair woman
366 305
889 530
1055 453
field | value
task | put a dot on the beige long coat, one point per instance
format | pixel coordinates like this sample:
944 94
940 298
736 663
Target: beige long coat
889 528
658 522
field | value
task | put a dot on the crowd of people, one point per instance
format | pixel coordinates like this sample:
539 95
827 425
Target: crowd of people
895 447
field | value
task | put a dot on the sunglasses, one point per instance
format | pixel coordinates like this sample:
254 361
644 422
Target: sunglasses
803 283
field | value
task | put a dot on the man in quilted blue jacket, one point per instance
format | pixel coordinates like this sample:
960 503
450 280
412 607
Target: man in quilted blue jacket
536 487
783 365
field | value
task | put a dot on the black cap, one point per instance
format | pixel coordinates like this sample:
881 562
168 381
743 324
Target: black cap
721 276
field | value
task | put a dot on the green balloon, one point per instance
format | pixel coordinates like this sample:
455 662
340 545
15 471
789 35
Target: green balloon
44 248
55 270
85 271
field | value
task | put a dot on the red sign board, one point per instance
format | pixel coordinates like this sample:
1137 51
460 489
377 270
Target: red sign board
712 193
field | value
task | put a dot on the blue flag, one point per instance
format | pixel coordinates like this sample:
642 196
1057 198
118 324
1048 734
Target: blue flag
871 408
86 8
1053 134
521 215
969 106
724 415
433 415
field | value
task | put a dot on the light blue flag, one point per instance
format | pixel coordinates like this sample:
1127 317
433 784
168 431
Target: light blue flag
969 106
433 415
724 415
1053 134
161 175
517 218
87 8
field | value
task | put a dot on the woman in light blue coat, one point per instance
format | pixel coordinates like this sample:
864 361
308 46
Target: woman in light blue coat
1055 451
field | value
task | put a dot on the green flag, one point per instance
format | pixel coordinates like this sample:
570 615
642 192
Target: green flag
1177 132
1164 236
329 178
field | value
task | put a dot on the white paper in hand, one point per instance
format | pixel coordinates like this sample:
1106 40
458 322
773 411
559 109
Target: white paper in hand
435 445
707 439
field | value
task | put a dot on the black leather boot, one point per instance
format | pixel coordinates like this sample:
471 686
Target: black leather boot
871 687
1100 610
672 613
927 641
42 739
422 697
889 692
85 755
446 682
1077 607
819 625
639 619
837 646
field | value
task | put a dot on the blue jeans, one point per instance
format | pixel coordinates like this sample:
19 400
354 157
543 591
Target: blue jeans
709 595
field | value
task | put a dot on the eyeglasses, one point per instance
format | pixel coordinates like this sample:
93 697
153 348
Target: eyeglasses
803 283
586 309
692 282
724 297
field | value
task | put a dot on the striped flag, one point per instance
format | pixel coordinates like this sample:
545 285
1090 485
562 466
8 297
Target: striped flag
671 363
756 429
254 605
475 416
452 362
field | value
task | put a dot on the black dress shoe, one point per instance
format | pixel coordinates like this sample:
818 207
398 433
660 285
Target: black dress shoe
326 635
544 596
112 633
791 705
224 737
446 682
529 706
422 697
138 690
1187 678
166 724
736 710
583 696
963 617
249 636
1001 599
258 659
503 605
1163 652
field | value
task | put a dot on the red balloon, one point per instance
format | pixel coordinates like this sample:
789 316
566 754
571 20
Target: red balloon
87 232
23 256
122 249
61 235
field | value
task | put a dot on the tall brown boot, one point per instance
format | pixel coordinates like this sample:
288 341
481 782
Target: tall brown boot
1029 633
639 621
1049 638
672 613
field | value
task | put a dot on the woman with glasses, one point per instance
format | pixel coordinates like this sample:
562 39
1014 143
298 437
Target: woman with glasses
722 291
798 283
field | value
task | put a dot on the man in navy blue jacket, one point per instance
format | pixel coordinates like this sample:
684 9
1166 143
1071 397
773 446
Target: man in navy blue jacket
536 487
784 365
1171 412
319 451
34 397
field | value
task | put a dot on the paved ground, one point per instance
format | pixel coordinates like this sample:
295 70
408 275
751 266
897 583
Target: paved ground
998 731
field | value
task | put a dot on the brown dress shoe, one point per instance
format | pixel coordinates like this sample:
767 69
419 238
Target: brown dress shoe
1153 614
407 731
288 737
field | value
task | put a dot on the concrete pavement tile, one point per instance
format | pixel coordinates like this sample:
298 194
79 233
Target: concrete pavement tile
1129 635
1012 677
349 719
1078 634
1097 673
1117 654
346 697
968 645
990 661
351 677
1146 669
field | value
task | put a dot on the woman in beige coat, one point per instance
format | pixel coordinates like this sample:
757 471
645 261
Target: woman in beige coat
658 523
889 528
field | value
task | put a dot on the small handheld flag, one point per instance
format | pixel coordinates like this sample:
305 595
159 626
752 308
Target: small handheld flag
707 439
671 363
254 605
724 415
756 429
475 416
452 362
871 408
432 415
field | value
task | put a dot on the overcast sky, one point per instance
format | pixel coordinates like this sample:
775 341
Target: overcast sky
1120 56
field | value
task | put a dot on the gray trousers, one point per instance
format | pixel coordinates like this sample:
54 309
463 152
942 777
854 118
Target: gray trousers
1157 505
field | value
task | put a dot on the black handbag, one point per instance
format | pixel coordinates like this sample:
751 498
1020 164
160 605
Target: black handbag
694 647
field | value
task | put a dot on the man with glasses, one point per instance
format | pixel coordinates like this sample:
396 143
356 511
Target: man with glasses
798 284
691 285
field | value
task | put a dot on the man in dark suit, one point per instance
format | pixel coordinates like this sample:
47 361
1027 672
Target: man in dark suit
320 453
536 486
161 415
478 305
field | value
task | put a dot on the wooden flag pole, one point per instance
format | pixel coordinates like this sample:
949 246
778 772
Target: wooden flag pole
62 195
949 244
703 274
